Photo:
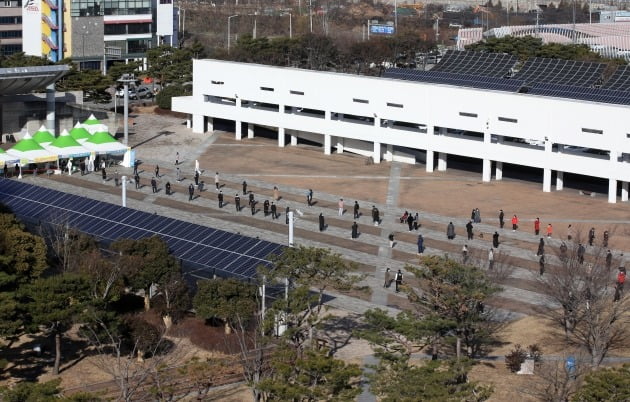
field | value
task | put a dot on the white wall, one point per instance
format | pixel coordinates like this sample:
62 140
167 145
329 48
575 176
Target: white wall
559 120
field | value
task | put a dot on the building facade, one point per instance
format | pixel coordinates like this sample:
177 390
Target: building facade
374 116
10 27
44 33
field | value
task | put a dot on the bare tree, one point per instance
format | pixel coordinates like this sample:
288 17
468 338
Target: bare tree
557 380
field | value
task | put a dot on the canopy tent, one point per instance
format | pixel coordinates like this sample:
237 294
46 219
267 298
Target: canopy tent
79 133
65 146
29 151
93 125
103 143
7 159
43 136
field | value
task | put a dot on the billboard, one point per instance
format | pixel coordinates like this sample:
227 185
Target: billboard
382 29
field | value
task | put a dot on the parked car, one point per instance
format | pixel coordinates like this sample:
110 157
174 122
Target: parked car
143 92
121 93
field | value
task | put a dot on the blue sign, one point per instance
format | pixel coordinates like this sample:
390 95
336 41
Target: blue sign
382 29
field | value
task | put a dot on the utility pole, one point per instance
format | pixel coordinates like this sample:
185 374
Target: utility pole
310 13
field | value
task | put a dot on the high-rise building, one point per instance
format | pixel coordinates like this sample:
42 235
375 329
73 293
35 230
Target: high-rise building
10 27
44 33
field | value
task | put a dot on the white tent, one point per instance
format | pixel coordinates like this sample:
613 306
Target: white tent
27 150
94 125
104 144
65 146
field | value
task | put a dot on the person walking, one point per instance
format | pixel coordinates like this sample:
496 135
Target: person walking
322 224
201 186
537 226
216 180
153 185
286 215
391 240
410 222
157 171
116 178
490 259
177 175
252 203
501 217
514 223
266 208
591 236
420 244
495 240
191 192
465 254
167 187
450 231
549 231
276 193
377 217
605 239
541 247
135 167
340 204
356 210
274 211
469 230
196 177
244 187
355 230
398 279
309 197
541 265
608 259
580 252
237 202
136 179
220 198
388 278
416 221
176 158
104 174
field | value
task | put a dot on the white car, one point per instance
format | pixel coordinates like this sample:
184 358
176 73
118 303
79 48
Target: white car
121 93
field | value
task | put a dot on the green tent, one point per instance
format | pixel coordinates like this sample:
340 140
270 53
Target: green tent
67 147
103 143
101 137
28 149
92 120
43 136
79 133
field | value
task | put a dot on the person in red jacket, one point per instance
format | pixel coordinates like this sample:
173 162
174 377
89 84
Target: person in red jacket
537 226
514 223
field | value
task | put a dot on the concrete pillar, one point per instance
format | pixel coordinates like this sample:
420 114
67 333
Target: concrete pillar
486 174
281 137
250 131
327 140
339 145
612 191
624 191
442 160
559 180
238 130
189 121
498 171
546 180
293 140
50 108
199 123
377 152
430 161
389 153
210 124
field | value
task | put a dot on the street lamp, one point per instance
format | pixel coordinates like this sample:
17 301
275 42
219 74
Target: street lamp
228 33
126 79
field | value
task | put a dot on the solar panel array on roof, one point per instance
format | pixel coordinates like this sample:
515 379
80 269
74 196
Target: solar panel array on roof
620 80
206 250
562 72
476 63
465 80
587 94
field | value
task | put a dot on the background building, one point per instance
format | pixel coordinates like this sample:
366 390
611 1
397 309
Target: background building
10 27
44 33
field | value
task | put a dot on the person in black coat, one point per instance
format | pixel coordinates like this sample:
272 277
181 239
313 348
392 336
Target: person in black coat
237 203
501 217
356 210
286 215
220 198
244 187
321 222
196 178
541 247
191 192
167 187
104 174
410 222
495 240
266 207
252 203
274 211
251 198
355 230
154 185
469 230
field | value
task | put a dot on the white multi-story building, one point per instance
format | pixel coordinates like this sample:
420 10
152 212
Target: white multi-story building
373 116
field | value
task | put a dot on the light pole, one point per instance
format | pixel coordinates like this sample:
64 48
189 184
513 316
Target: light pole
290 27
396 17
126 79
228 41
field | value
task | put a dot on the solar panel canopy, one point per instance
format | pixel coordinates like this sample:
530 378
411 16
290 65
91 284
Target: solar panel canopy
205 251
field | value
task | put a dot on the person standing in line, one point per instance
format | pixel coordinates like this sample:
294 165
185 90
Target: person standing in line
244 187
220 198
501 217
196 177
136 179
104 174
541 247
465 254
191 192
391 240
177 175
514 223
563 251
322 224
420 244
605 239
377 217
580 252
416 221
621 279
153 185
356 210
477 216
237 202
490 259
176 158
286 215
591 236
549 231
355 230
103 164
197 170
81 166
157 171
310 197
608 259
398 279
388 278
276 193
252 203
450 231
340 204
537 226
274 211
135 167
469 230
410 222
167 187
216 180
201 186
541 265
495 240
472 215
116 178
266 208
